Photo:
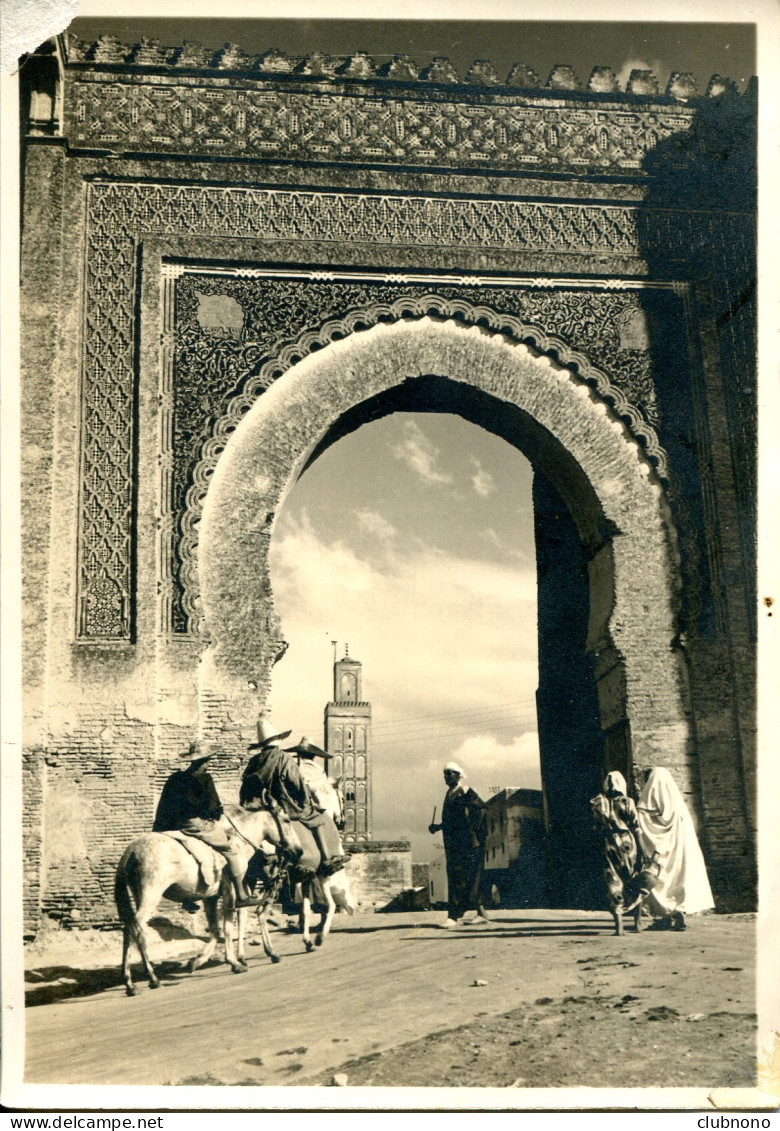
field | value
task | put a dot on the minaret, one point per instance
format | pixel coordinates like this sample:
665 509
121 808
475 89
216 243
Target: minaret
348 741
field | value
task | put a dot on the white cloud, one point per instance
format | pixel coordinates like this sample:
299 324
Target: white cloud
419 454
488 760
438 635
494 539
374 523
482 481
435 633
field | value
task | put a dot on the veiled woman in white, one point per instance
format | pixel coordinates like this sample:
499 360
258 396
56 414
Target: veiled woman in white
666 828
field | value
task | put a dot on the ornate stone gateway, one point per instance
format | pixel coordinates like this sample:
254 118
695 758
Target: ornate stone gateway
230 262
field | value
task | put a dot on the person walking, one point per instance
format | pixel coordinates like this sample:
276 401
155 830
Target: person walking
666 828
615 815
189 803
464 826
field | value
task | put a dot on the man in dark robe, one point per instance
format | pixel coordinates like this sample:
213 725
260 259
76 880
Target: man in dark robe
273 773
464 827
189 802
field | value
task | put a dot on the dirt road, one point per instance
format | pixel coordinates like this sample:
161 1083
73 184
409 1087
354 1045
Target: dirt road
536 998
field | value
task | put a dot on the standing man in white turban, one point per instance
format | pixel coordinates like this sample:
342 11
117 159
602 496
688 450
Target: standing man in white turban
666 828
464 827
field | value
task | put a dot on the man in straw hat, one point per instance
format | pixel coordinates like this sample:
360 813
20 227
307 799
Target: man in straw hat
463 826
190 803
272 772
322 788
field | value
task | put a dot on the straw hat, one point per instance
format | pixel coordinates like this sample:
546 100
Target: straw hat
268 735
307 749
197 752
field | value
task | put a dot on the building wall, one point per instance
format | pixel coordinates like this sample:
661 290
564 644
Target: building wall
438 890
379 872
505 813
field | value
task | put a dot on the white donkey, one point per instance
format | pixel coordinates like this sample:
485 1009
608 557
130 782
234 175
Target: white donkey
330 892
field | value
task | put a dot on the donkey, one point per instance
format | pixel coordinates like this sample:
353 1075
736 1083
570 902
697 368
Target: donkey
330 892
158 864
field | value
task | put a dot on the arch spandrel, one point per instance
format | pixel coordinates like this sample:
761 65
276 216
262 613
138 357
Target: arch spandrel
430 304
600 471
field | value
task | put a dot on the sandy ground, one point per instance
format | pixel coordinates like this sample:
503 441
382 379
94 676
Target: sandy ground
534 999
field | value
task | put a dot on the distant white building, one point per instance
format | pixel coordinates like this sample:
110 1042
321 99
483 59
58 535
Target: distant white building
438 891
506 811
515 849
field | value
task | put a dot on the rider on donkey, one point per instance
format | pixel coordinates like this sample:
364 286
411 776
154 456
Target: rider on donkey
272 773
190 803
316 777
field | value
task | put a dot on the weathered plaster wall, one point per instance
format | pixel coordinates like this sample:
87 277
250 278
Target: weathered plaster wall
379 872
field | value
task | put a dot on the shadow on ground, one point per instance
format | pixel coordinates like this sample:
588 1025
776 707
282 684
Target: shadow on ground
58 981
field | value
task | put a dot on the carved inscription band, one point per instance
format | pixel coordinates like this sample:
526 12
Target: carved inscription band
238 119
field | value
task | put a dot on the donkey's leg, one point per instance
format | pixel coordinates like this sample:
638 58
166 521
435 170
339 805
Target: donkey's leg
327 918
146 909
234 954
242 914
127 970
210 906
304 916
235 959
265 935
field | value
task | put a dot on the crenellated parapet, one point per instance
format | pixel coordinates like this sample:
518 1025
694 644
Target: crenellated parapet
110 51
144 98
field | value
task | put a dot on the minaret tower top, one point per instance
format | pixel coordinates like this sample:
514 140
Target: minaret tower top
347 679
348 741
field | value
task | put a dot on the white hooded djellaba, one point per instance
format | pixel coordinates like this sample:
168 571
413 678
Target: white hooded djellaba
666 827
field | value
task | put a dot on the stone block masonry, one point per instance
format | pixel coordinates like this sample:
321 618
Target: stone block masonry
378 872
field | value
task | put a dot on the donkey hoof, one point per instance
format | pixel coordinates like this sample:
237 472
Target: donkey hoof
309 945
275 958
239 969
130 991
319 940
154 985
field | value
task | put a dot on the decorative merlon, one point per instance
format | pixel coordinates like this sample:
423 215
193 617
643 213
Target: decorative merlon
108 51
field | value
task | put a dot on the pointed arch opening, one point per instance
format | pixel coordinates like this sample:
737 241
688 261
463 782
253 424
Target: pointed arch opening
598 504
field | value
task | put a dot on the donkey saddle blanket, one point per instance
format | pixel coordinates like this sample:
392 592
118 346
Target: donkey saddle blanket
210 862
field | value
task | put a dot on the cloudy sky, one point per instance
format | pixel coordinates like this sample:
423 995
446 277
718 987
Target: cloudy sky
411 540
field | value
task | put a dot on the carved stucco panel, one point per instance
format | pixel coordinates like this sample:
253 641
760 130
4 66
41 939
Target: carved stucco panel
119 215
